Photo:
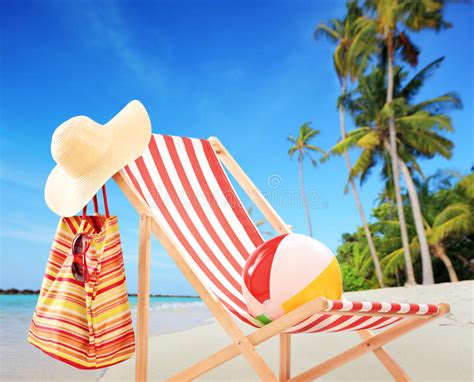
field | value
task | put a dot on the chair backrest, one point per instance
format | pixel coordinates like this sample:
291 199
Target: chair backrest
191 197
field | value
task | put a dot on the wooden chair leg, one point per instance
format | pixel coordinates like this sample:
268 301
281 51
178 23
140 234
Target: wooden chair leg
389 363
364 347
141 365
257 337
285 357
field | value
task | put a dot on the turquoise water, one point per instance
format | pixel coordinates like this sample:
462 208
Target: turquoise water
20 361
26 303
17 303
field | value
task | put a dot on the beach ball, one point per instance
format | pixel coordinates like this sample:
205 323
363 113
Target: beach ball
286 272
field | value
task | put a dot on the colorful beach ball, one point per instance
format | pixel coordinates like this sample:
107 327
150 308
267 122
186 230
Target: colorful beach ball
286 272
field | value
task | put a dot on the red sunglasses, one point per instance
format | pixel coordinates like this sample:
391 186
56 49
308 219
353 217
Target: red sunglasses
80 246
82 242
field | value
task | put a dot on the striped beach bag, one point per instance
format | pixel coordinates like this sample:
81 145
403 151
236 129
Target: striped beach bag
83 315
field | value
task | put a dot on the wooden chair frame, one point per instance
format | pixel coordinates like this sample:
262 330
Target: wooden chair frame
242 344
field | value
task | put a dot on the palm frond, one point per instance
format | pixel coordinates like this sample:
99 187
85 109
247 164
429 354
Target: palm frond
455 219
424 142
392 262
440 104
315 148
408 50
467 184
328 31
369 141
426 120
412 88
350 141
339 61
292 150
363 165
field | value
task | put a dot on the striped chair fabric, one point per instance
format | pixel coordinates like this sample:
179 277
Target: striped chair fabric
189 194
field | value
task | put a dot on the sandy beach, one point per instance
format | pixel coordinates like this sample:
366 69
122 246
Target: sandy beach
20 361
440 351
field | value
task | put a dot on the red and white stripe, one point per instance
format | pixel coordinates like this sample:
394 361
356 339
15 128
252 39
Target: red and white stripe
191 197
381 307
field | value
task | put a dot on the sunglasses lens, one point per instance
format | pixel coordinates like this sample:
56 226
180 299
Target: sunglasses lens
78 271
79 246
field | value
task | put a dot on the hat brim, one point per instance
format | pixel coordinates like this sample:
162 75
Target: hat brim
130 131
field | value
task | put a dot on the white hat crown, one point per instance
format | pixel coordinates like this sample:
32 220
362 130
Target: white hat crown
79 144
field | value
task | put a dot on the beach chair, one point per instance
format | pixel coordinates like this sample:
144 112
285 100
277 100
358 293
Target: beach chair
180 189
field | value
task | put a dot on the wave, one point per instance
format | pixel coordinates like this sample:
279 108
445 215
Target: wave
172 306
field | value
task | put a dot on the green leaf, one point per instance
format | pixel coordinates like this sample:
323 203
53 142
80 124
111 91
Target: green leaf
369 141
324 30
387 110
455 219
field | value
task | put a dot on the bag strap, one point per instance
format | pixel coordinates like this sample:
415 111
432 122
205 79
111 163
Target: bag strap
96 206
106 204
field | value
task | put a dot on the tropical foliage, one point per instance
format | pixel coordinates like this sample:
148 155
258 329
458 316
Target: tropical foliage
448 209
422 229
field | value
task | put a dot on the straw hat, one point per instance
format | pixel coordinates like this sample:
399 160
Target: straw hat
88 154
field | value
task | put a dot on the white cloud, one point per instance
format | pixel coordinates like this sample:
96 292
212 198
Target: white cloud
16 229
21 177
108 28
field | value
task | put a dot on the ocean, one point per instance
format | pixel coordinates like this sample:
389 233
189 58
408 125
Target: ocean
20 361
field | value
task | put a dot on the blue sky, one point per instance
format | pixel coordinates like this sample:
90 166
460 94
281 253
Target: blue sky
247 72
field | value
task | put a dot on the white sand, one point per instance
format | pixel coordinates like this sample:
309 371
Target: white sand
439 351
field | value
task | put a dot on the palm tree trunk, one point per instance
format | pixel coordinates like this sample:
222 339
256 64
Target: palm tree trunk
440 253
368 235
428 277
394 157
303 194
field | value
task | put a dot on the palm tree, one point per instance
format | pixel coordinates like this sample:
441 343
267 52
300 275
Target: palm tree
388 16
417 135
350 56
408 123
303 147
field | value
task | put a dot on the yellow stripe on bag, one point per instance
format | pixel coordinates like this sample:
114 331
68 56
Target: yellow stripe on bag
110 313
